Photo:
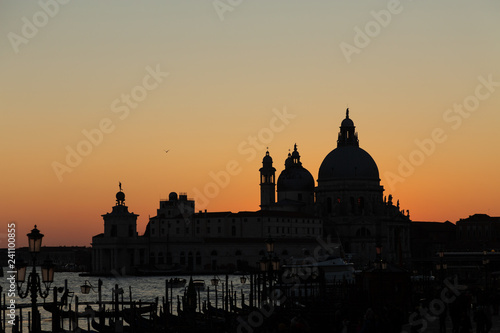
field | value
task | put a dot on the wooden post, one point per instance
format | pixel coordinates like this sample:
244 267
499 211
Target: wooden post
227 291
222 299
55 314
21 319
75 327
216 306
101 306
251 289
117 317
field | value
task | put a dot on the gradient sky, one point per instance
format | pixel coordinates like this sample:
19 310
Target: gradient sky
232 66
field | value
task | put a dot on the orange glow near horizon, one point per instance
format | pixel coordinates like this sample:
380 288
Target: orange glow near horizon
216 91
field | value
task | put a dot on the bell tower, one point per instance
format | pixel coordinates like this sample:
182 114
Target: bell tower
267 183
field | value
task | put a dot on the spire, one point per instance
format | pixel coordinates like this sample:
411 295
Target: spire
347 113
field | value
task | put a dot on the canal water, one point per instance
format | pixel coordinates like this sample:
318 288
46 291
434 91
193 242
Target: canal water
145 289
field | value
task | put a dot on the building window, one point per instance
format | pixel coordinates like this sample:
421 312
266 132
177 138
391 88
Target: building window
177 231
197 230
208 230
198 258
114 231
219 230
233 230
182 259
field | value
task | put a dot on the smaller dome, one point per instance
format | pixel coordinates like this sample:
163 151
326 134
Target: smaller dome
295 179
267 159
120 196
172 196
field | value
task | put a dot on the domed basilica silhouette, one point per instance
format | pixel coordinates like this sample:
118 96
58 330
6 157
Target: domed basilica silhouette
347 206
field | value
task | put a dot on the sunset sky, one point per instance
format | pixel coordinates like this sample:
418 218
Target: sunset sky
93 92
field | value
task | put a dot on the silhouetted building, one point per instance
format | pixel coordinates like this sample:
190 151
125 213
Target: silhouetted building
479 232
429 238
347 204
349 199
179 238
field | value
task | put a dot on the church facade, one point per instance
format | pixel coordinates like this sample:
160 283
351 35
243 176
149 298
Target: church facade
347 205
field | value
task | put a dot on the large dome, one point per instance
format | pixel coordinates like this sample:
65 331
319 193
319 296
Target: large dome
348 162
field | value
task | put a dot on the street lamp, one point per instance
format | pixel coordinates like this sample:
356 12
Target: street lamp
33 287
271 263
85 288
486 261
243 279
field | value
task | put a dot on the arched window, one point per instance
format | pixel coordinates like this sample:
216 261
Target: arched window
169 258
213 253
329 205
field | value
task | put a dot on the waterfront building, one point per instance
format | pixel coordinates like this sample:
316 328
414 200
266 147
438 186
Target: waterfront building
347 205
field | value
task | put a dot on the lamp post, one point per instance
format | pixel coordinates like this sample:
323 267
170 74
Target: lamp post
486 261
33 287
269 264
